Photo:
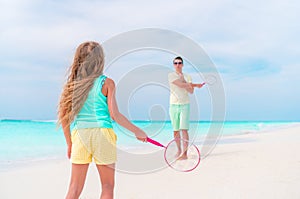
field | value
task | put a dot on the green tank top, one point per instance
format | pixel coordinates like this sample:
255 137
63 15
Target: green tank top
94 112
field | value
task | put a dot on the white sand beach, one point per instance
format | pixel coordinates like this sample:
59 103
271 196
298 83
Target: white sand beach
259 165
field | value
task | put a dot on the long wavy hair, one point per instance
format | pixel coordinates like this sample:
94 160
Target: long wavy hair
87 65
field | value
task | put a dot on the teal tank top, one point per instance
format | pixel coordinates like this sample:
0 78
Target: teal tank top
94 112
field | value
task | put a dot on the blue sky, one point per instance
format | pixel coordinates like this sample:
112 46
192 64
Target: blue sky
253 44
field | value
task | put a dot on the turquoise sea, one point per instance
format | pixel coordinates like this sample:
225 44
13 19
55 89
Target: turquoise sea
26 141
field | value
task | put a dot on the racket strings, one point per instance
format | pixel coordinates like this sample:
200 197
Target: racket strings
179 160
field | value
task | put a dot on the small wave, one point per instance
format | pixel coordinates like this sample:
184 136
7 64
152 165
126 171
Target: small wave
14 120
18 120
46 121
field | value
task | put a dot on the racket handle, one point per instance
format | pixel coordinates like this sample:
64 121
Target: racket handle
154 142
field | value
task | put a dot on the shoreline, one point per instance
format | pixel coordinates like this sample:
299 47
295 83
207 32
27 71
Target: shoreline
265 165
223 139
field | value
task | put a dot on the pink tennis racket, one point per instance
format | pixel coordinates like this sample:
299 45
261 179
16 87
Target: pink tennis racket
178 159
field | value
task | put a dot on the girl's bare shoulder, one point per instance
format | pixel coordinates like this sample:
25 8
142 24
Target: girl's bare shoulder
110 83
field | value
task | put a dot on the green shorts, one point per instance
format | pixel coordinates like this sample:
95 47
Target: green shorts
180 116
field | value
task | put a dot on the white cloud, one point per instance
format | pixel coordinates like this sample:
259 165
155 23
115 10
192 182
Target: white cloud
39 37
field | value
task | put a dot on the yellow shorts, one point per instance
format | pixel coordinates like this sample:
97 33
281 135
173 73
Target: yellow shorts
94 143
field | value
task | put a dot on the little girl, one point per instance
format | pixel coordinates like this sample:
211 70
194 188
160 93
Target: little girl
88 101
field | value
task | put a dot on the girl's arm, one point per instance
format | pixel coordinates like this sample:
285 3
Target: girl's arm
119 117
67 133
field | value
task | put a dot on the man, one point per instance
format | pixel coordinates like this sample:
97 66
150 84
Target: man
180 86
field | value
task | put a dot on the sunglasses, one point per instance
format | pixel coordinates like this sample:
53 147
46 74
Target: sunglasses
175 63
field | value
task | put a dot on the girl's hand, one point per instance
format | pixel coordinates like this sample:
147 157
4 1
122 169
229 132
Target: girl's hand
141 136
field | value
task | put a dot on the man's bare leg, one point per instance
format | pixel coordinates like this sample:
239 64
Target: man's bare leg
185 136
178 143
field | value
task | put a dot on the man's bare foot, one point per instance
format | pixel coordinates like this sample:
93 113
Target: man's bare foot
178 154
183 157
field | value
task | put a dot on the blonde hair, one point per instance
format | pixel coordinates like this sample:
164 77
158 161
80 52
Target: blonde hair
87 65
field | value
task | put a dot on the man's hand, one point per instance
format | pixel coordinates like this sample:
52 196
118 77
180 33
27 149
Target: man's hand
198 85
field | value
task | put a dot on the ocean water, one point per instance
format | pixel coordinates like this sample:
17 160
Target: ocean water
25 141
